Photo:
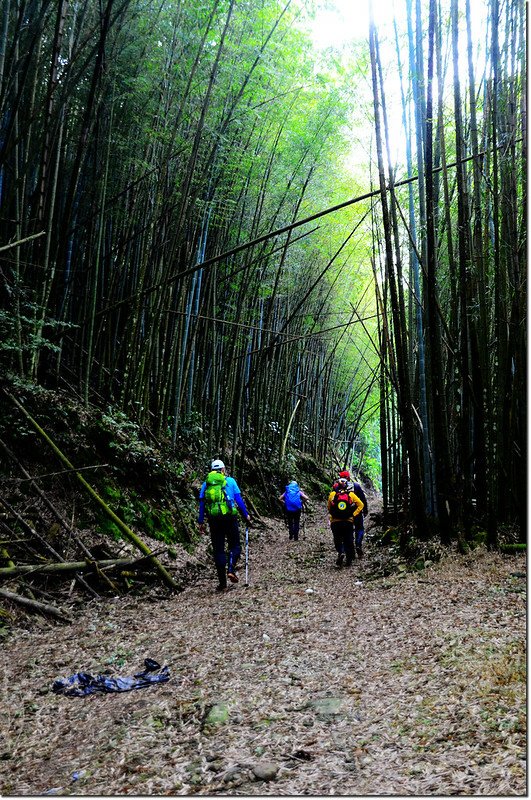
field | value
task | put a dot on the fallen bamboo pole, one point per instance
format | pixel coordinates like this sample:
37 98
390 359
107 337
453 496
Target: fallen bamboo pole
128 533
45 608
42 540
70 566
58 517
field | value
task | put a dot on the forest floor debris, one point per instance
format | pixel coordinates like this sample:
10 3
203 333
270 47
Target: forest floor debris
411 683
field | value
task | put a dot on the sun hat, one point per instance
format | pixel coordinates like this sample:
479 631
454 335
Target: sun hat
217 464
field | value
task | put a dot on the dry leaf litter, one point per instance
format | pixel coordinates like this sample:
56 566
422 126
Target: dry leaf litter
309 681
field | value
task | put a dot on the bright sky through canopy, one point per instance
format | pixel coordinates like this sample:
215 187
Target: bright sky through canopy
345 20
339 23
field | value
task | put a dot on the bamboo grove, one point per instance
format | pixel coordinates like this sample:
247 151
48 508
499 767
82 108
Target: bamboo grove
451 262
173 243
140 140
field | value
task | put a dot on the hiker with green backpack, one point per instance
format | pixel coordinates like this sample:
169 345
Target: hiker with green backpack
219 500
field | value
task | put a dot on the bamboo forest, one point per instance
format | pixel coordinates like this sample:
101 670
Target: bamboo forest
263 364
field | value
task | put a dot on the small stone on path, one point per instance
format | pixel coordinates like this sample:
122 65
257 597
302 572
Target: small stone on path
265 771
217 715
326 706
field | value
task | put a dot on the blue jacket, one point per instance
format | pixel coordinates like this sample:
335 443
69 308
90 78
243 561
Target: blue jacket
234 495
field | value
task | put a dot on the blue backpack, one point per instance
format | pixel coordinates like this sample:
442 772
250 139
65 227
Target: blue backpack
292 497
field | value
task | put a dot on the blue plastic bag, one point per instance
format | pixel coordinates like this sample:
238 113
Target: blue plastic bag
82 683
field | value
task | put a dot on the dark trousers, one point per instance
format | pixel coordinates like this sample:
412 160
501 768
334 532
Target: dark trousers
359 529
223 529
294 519
343 533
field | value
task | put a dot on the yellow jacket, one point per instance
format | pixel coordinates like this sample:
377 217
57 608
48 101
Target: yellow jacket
354 498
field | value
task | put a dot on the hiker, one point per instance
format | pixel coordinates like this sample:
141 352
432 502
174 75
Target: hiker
359 529
219 499
292 497
343 506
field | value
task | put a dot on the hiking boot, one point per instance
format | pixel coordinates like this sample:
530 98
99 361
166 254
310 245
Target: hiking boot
222 578
348 562
359 551
339 561
233 578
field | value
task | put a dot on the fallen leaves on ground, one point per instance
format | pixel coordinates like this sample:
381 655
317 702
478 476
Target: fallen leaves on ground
409 685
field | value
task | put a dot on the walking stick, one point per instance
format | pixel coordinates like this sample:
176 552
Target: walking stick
247 555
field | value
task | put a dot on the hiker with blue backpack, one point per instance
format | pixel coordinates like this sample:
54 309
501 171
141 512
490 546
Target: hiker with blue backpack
292 498
219 500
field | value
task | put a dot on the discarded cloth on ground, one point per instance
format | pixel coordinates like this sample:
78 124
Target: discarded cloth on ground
82 683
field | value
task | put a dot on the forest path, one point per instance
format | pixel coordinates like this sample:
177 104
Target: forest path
409 685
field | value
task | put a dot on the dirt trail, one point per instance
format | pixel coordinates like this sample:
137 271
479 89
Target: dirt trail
318 680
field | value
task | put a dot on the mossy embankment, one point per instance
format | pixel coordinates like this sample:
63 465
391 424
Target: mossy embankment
150 483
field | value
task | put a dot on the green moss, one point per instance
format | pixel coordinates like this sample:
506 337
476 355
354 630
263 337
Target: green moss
120 504
108 528
477 537
390 536
157 522
513 549
111 493
139 513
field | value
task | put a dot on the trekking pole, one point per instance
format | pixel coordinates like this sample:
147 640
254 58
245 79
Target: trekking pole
247 555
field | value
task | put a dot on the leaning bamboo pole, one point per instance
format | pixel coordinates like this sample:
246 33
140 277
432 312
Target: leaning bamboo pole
128 533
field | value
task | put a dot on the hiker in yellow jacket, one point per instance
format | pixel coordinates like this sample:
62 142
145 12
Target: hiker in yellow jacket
343 506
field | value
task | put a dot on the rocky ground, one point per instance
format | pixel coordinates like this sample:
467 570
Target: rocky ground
308 681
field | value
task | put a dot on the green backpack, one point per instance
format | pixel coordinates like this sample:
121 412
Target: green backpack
217 503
